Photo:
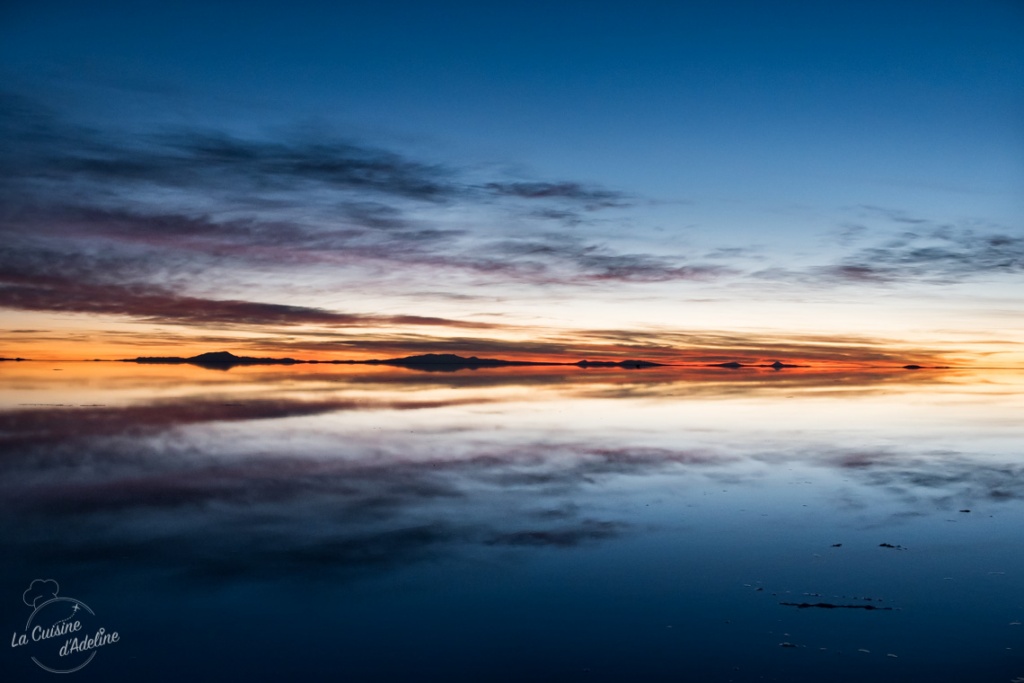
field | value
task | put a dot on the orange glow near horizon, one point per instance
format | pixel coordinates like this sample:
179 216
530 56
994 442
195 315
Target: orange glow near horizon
796 353
92 338
29 385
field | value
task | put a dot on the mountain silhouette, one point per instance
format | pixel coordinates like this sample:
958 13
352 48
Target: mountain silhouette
430 362
217 360
630 364
733 365
449 362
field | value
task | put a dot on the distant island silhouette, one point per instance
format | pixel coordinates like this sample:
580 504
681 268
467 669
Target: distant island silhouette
778 365
449 362
216 360
634 364
431 362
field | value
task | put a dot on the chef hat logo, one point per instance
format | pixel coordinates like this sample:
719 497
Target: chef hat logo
39 591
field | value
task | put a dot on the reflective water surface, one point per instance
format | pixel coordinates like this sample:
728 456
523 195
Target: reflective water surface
363 523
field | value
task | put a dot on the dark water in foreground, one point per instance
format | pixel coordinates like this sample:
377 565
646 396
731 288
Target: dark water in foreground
373 524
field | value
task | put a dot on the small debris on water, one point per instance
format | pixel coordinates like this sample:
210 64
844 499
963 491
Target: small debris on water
829 605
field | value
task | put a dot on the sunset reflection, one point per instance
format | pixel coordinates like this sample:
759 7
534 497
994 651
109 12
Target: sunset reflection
195 480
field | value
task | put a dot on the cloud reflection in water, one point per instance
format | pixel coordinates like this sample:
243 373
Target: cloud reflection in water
335 473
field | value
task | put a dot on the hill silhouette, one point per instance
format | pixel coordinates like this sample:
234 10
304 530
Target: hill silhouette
430 362
218 360
631 364
449 362
733 365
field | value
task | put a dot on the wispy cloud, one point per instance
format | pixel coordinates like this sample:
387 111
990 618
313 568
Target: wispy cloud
213 230
38 280
585 531
552 253
375 507
375 511
716 347
913 249
27 433
154 305
934 254
206 198
47 150
938 479
590 198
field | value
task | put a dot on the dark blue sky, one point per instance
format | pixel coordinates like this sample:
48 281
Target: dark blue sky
774 149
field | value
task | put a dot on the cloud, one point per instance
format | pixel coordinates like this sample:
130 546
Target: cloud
153 304
939 255
717 347
146 261
209 514
48 150
567 259
124 460
939 479
922 251
193 202
205 555
585 531
194 241
157 485
392 345
894 215
29 429
228 516
51 280
277 164
589 197
833 355
365 233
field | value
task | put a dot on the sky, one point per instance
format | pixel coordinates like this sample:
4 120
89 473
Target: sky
689 182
